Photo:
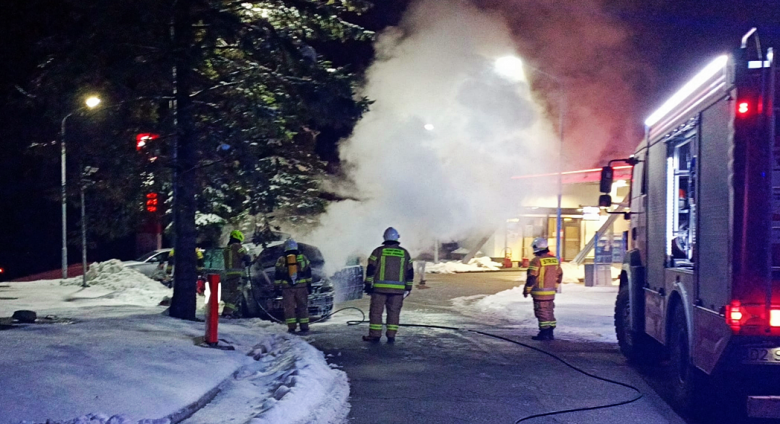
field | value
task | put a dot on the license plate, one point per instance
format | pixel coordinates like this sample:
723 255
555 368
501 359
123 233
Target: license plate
762 355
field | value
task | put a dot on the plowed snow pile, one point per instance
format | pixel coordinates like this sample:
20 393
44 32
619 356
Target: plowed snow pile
475 265
123 284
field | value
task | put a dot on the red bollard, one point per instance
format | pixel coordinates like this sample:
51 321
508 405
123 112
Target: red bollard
212 310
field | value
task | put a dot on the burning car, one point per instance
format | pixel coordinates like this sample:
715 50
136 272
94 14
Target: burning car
260 299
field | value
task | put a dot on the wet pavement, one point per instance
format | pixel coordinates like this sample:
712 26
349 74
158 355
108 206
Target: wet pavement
443 376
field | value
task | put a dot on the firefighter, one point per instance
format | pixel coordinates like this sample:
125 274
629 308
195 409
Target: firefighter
236 260
544 276
199 264
293 280
389 278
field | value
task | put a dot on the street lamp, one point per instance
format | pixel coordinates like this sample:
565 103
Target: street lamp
512 67
90 103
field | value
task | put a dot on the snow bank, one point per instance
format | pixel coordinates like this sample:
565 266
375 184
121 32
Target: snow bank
311 391
573 273
289 382
583 313
475 265
123 284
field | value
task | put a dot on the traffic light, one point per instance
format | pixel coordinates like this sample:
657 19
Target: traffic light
151 202
142 140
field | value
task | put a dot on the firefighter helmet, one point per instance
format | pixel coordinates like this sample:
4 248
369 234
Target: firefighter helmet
238 235
290 244
391 234
539 244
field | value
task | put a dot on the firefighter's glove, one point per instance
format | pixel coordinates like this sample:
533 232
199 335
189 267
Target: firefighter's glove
526 291
525 294
368 288
406 293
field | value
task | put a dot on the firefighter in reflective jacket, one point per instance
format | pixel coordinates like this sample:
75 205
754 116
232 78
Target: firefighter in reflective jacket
236 261
171 264
293 279
544 276
389 277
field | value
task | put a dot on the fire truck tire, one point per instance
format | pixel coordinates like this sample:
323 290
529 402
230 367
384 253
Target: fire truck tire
686 382
638 348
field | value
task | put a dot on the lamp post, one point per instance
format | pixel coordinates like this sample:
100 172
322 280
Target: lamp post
91 103
512 67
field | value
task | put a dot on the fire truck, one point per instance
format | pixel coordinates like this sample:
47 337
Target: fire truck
700 283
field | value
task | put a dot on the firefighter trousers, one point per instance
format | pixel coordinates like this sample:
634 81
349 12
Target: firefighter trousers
296 307
393 303
544 310
231 295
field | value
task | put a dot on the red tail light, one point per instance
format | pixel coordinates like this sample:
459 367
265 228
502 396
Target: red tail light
743 108
734 315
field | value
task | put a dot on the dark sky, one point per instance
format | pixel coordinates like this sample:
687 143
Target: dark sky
674 37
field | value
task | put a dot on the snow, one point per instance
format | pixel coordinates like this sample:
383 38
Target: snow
450 267
582 313
206 219
108 354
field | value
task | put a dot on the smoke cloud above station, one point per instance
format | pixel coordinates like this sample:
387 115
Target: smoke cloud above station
455 117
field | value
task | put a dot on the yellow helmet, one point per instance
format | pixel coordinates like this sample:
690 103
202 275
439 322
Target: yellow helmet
238 235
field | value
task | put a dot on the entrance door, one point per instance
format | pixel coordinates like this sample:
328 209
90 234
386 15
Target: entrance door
571 238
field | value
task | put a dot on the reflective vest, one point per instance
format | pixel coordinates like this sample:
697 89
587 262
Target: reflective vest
392 266
544 276
235 256
293 271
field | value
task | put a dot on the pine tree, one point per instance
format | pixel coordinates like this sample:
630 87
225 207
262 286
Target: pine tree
250 95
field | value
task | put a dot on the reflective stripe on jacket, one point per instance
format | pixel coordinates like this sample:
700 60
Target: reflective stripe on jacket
390 269
544 276
292 270
236 258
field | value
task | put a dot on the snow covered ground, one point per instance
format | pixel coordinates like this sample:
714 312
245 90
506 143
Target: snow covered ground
583 313
108 350
480 264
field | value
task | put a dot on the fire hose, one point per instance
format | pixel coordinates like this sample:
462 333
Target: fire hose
638 392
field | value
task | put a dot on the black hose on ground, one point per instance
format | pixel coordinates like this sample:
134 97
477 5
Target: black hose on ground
552 355
506 339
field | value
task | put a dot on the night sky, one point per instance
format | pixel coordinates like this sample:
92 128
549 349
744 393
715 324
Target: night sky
675 37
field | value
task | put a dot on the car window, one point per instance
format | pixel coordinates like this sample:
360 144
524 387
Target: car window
146 256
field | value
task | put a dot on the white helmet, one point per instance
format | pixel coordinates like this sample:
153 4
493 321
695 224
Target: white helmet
539 244
290 244
391 234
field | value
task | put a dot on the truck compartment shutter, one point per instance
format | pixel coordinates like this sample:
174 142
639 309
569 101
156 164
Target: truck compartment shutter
715 206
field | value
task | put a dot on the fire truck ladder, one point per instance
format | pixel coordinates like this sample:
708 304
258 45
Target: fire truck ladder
620 207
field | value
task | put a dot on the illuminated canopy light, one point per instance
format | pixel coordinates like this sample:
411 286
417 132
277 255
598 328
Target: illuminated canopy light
510 67
92 102
708 72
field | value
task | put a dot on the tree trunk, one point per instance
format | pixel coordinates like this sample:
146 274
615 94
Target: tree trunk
183 302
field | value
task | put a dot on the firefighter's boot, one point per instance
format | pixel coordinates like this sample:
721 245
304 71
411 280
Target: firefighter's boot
371 339
550 334
304 328
291 328
544 334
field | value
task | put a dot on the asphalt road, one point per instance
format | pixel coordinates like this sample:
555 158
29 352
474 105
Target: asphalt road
443 376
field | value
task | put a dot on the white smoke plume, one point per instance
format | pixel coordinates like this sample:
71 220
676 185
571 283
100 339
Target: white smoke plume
434 156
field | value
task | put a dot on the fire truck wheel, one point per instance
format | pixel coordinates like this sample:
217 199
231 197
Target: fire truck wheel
686 381
638 348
